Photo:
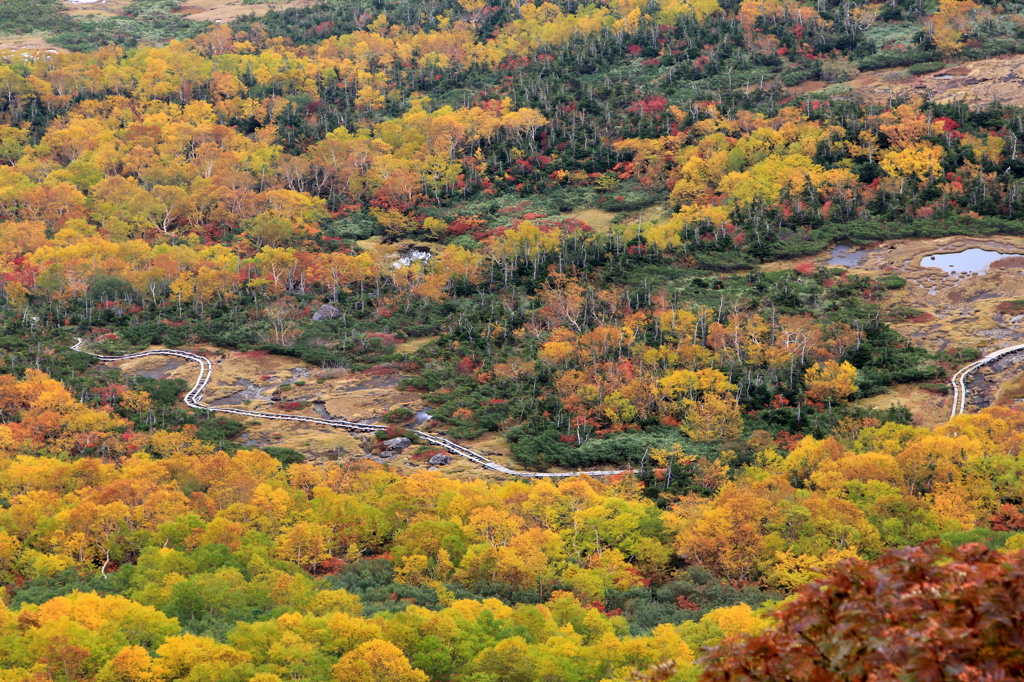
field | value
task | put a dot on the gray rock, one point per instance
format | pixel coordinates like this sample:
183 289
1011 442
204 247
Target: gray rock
439 460
400 443
326 312
387 454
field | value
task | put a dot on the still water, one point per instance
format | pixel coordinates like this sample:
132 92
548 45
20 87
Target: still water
846 255
971 261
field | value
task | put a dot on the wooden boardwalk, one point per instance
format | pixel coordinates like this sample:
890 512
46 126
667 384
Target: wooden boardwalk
194 399
959 379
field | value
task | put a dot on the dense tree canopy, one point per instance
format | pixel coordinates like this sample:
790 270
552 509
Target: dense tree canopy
547 221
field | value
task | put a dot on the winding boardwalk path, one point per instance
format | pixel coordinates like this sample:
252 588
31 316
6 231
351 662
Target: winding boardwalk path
194 399
959 379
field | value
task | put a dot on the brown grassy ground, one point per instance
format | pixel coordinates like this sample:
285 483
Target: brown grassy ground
978 83
929 408
956 311
412 346
255 377
223 11
29 42
601 220
315 442
198 10
356 396
103 8
963 307
1011 392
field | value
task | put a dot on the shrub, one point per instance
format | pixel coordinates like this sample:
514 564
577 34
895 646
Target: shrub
356 226
414 384
466 242
886 59
1015 307
399 415
907 314
838 70
425 452
467 432
893 282
385 338
396 432
925 67
284 455
798 76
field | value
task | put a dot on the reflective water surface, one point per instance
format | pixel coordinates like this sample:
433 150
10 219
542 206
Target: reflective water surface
846 255
971 261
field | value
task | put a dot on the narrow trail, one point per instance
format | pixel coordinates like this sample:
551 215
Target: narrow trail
959 379
194 399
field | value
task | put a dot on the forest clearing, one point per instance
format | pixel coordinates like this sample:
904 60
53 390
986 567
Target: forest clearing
225 10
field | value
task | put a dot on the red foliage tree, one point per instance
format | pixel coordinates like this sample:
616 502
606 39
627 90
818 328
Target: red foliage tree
917 613
1008 518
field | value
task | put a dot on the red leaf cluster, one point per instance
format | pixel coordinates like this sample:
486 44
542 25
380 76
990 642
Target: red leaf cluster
1008 518
918 613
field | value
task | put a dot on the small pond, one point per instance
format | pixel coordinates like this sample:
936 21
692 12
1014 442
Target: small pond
971 261
846 255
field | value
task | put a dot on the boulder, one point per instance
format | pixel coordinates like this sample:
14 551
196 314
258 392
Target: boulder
400 443
326 312
439 460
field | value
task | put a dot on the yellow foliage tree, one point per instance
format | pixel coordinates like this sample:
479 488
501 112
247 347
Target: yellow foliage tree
376 661
950 22
791 571
830 381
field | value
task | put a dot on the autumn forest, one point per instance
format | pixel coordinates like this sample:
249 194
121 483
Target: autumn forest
572 237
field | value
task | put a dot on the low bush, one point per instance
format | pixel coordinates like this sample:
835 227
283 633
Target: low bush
399 415
887 59
925 67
